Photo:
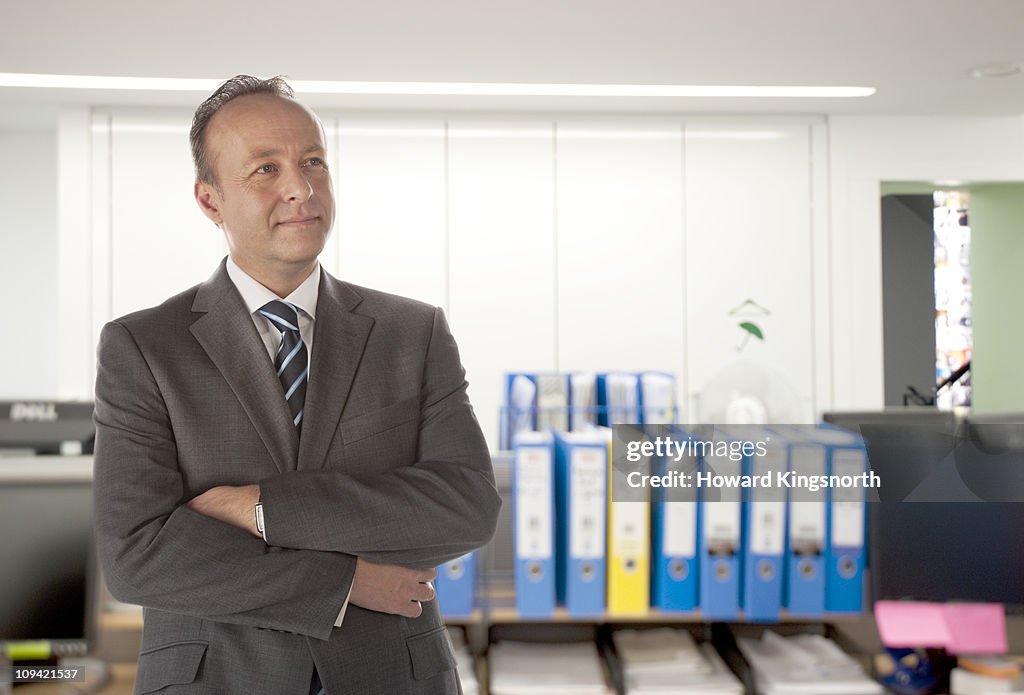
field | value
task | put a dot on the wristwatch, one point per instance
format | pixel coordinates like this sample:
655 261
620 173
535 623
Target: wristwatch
259 518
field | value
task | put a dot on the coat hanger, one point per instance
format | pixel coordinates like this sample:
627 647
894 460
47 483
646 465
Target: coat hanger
751 305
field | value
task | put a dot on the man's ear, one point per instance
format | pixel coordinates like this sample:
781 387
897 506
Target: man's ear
209 201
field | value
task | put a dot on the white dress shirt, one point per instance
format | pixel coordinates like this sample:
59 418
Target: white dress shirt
255 296
304 298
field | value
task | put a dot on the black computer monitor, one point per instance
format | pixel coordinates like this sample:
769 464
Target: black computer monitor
47 427
947 523
46 552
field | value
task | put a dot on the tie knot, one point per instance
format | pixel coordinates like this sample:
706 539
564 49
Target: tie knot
281 315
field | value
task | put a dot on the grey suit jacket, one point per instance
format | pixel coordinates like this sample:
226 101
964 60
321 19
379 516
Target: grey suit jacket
391 466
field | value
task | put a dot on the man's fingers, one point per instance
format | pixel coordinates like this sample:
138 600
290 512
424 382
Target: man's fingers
413 609
419 591
198 502
424 591
392 589
407 609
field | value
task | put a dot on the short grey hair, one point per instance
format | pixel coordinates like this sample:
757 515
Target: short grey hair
237 86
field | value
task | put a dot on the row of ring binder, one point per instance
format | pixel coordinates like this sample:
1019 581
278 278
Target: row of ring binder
577 401
583 543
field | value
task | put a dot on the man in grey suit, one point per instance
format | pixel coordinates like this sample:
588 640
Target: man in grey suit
282 458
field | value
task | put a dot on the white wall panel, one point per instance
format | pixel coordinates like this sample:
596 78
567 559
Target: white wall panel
749 214
28 264
101 205
76 346
502 254
389 174
620 245
160 242
331 255
821 269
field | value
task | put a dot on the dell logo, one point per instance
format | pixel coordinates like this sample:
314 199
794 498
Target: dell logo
33 412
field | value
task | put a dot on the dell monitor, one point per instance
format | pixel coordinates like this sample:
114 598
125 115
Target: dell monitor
46 552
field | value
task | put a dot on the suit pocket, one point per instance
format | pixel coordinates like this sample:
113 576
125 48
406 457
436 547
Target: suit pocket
169 664
430 653
380 420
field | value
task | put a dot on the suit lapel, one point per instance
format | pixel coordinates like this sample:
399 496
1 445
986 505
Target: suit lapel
227 333
339 339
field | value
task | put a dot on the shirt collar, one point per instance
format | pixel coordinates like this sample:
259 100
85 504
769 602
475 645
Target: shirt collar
256 295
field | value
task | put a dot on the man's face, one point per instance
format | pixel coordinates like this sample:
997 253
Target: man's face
272 192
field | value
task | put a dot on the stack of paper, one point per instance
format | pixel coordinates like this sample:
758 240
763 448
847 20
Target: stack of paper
465 663
668 661
523 668
620 398
583 401
658 392
809 664
964 682
553 402
520 408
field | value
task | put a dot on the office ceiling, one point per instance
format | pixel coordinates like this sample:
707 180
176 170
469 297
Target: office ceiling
918 53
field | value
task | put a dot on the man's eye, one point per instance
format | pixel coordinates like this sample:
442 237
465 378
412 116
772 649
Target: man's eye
314 162
266 169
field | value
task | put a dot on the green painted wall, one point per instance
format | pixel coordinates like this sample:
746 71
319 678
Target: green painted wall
996 216
911 188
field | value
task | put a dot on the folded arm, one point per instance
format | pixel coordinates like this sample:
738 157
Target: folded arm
380 587
157 552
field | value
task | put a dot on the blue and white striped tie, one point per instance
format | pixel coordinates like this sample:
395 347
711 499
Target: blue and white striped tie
292 359
292 365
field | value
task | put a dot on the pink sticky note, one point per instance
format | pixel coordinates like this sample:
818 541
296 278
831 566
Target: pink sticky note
959 628
912 624
976 628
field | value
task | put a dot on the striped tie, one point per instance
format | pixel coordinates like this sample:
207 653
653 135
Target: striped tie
292 360
316 687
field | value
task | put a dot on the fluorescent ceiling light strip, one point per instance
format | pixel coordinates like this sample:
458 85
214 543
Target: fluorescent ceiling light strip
160 84
565 134
571 90
177 84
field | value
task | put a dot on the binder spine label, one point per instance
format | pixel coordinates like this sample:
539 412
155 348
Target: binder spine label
807 508
722 518
767 534
680 523
534 490
588 503
679 513
629 531
848 502
768 505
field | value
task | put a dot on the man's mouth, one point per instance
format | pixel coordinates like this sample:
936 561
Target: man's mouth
299 221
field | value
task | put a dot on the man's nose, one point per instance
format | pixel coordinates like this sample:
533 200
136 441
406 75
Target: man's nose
296 186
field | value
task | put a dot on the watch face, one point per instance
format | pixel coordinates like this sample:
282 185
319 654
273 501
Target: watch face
259 517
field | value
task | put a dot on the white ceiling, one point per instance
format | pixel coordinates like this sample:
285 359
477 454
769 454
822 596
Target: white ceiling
918 53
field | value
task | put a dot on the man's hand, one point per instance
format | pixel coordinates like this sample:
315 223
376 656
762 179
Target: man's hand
230 504
391 589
